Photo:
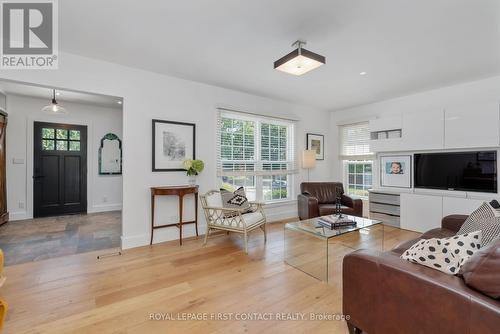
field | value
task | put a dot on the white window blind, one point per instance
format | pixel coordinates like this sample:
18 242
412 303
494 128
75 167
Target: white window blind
256 152
355 142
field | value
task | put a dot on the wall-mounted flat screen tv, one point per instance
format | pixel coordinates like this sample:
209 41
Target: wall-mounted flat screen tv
465 171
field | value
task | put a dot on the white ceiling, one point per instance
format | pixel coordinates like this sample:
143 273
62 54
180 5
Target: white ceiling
404 45
10 87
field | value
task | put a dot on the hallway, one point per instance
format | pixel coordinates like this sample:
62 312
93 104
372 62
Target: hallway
44 238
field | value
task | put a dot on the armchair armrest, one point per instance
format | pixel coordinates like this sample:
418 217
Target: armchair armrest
257 206
224 210
308 206
355 203
453 222
256 203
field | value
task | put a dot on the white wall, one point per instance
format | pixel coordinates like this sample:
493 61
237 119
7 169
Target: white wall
486 90
149 95
104 193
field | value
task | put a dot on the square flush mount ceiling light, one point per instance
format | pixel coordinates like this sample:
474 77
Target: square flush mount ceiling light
299 61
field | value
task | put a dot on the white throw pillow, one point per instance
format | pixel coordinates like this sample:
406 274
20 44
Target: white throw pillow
446 254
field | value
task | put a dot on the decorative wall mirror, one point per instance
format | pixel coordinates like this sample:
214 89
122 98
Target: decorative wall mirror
110 155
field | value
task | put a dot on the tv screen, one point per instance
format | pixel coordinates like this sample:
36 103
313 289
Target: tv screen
466 171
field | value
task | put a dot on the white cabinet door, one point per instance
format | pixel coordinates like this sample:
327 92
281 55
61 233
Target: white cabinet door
472 126
421 212
386 145
460 206
423 130
385 123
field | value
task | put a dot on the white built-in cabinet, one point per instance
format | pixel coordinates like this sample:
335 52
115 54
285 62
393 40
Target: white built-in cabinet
471 126
385 124
420 212
453 127
423 130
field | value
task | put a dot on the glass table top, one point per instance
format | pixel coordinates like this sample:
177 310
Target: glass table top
312 226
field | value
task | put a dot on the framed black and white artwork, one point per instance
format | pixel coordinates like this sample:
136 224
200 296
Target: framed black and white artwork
173 142
316 142
395 171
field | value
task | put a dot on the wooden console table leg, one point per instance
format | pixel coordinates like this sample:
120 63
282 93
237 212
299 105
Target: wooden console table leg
152 217
196 212
180 218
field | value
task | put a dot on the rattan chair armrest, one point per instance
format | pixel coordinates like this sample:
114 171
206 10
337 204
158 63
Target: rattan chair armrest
223 209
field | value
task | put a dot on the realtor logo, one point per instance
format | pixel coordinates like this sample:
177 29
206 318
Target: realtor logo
29 34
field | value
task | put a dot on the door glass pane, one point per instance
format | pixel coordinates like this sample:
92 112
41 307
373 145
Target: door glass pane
74 146
62 134
74 135
47 145
47 133
61 145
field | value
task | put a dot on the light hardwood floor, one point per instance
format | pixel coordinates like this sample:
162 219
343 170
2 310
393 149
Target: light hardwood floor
80 294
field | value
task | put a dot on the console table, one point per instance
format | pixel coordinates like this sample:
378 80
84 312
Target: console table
179 191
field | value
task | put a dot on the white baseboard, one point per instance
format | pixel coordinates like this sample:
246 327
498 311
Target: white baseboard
20 215
162 235
168 234
135 241
105 207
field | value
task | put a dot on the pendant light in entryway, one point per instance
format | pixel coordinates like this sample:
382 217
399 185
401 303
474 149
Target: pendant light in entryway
54 108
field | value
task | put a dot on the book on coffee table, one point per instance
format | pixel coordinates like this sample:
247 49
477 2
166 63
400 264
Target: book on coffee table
333 222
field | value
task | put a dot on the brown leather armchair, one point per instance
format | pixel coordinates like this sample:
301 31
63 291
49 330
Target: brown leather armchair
384 294
318 199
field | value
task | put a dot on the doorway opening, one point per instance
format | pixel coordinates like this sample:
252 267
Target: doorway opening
63 187
60 169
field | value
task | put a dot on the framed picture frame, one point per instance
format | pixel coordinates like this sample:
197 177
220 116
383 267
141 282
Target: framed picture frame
172 143
316 142
395 171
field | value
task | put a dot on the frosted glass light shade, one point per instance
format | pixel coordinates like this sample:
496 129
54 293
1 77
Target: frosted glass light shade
308 159
54 108
299 61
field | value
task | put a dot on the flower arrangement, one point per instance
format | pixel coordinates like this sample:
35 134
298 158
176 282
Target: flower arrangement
193 167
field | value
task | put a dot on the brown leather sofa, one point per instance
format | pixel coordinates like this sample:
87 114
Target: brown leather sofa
385 294
318 199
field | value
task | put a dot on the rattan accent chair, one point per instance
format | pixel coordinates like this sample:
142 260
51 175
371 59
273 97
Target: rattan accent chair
231 220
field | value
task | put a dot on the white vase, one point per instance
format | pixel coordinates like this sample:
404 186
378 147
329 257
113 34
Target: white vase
192 180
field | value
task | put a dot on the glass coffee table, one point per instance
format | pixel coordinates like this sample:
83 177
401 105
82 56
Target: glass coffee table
318 251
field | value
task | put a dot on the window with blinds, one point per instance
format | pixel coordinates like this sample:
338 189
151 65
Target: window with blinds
257 153
358 160
355 142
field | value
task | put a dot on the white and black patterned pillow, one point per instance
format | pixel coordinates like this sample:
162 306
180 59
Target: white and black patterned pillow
234 200
485 219
446 254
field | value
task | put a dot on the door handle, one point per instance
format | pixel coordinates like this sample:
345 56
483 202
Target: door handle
38 176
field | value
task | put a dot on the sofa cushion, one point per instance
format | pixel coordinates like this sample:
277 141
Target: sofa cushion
249 219
438 233
485 219
403 246
329 209
444 254
482 270
326 209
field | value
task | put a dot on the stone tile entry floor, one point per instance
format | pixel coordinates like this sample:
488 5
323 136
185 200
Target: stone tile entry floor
42 238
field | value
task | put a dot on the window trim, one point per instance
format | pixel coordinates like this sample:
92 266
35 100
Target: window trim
345 173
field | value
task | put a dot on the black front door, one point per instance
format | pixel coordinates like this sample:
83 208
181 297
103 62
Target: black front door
60 169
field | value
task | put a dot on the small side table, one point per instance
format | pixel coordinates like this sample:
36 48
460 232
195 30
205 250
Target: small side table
174 191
